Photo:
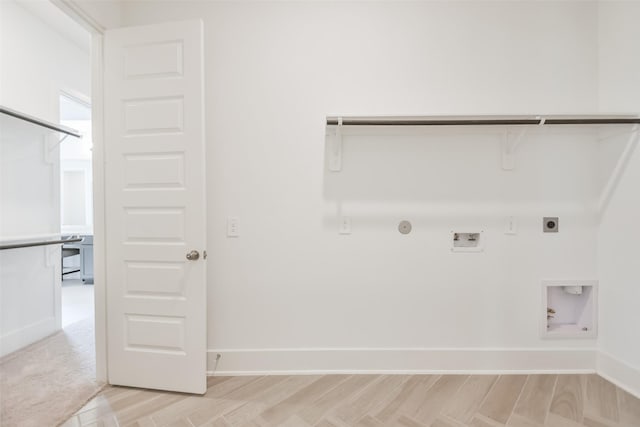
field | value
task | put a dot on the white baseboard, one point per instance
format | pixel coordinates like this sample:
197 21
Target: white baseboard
620 373
401 361
24 336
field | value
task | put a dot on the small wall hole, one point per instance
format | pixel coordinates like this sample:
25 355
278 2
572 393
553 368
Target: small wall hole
404 227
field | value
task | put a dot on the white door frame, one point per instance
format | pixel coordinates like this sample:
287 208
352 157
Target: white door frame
99 232
99 229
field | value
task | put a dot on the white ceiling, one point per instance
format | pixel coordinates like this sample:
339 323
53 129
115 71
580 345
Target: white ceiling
51 15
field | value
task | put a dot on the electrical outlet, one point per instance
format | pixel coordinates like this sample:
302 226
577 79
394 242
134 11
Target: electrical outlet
345 225
232 226
550 224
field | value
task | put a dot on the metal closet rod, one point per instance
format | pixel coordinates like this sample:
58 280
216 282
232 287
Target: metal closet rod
363 121
40 243
27 118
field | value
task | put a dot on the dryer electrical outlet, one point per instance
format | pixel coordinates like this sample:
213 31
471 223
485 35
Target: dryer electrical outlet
550 224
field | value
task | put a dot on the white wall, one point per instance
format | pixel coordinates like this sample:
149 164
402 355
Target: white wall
36 62
290 282
619 90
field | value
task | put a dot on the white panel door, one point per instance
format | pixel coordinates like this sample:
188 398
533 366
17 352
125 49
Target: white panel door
155 206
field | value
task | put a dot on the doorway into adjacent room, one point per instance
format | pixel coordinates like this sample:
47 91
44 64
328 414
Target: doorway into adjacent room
76 211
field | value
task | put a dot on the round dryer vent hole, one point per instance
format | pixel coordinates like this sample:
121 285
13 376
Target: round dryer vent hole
404 227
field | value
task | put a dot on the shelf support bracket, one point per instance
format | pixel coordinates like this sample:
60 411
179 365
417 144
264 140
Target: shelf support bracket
50 143
55 144
619 169
335 149
510 144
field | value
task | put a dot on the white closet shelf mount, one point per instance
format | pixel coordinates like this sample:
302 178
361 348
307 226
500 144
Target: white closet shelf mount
9 115
511 141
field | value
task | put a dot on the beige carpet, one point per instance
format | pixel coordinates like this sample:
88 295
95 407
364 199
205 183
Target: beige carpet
43 384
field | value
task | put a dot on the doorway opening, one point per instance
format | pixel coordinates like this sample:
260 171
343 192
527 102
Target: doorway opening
76 211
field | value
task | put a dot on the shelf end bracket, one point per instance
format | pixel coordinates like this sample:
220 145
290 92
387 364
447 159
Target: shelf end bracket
619 169
335 148
510 144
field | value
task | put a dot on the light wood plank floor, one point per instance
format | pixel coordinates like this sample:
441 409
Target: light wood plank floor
373 401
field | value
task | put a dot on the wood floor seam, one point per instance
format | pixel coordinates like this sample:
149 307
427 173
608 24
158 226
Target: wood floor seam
515 405
570 400
486 396
553 393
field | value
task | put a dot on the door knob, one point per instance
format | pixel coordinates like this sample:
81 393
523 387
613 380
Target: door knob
193 255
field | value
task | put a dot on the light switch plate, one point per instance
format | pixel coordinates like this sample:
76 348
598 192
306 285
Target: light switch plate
233 226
